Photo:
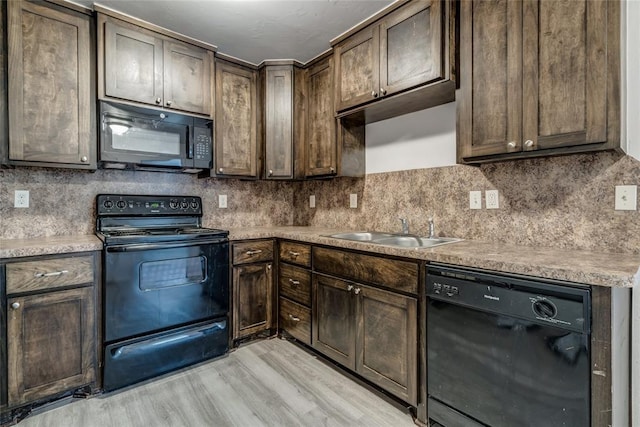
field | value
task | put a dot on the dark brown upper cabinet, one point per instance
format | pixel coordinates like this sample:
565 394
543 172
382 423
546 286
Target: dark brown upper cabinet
321 143
405 49
236 142
50 86
284 121
538 78
143 66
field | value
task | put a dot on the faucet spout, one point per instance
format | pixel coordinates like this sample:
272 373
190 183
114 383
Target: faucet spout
432 228
405 225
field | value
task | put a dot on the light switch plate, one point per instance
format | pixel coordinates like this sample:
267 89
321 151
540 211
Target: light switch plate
21 199
491 199
312 201
475 199
626 197
353 200
222 201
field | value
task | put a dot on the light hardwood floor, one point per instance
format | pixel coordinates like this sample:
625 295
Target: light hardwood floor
266 383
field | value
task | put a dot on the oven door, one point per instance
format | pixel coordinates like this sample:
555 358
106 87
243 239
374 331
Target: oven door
139 136
153 287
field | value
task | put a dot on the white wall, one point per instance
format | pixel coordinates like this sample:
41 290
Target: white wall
424 139
427 139
631 76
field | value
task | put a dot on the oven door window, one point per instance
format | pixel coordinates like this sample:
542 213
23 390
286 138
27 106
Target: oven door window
156 275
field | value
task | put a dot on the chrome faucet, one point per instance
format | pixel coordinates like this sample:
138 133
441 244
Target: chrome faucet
432 228
405 225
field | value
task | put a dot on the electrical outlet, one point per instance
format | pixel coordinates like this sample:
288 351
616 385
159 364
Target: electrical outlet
475 199
222 201
491 199
21 199
353 201
312 201
626 197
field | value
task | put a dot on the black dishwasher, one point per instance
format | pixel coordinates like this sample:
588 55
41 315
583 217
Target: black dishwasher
506 350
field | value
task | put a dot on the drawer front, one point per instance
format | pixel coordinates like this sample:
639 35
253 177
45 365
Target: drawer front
48 274
295 253
295 284
390 273
252 251
296 320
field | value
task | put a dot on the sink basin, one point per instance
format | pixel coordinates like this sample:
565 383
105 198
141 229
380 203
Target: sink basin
362 236
415 241
390 239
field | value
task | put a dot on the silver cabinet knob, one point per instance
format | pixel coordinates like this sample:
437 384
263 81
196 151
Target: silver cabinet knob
528 143
332 169
169 103
374 93
220 170
270 172
357 291
383 91
294 282
511 144
158 100
83 159
269 267
349 288
294 318
15 305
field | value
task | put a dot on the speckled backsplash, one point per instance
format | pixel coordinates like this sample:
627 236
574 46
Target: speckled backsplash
563 202
62 202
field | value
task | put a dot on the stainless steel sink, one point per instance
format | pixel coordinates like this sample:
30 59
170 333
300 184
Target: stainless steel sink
390 239
362 236
416 241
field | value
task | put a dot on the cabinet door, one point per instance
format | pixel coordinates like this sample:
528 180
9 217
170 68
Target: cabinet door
490 99
252 298
51 345
279 122
236 141
51 113
411 47
188 77
333 322
321 150
358 68
565 73
132 64
386 341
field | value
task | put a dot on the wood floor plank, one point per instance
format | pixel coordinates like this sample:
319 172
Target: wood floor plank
266 383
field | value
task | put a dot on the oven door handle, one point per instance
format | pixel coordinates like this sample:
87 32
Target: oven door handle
152 246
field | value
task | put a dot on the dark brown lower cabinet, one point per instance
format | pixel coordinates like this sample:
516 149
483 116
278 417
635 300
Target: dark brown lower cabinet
252 298
51 348
369 330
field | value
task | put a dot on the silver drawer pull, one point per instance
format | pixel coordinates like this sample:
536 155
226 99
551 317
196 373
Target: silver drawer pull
294 282
294 318
356 291
294 253
55 273
254 252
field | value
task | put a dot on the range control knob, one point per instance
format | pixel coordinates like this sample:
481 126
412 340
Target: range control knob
107 204
194 205
121 204
173 204
545 309
184 204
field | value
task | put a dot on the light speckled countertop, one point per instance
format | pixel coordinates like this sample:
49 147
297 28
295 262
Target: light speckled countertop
593 268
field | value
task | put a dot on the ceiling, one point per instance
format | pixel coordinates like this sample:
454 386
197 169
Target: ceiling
254 30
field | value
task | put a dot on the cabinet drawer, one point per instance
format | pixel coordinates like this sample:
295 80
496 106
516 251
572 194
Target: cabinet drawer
390 273
295 253
295 283
48 274
252 251
296 320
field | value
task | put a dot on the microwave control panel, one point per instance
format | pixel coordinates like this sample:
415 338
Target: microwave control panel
202 147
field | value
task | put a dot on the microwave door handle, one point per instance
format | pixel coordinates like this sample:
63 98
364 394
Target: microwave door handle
190 136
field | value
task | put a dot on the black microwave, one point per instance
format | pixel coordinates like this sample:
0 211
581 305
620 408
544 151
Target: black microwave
134 137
